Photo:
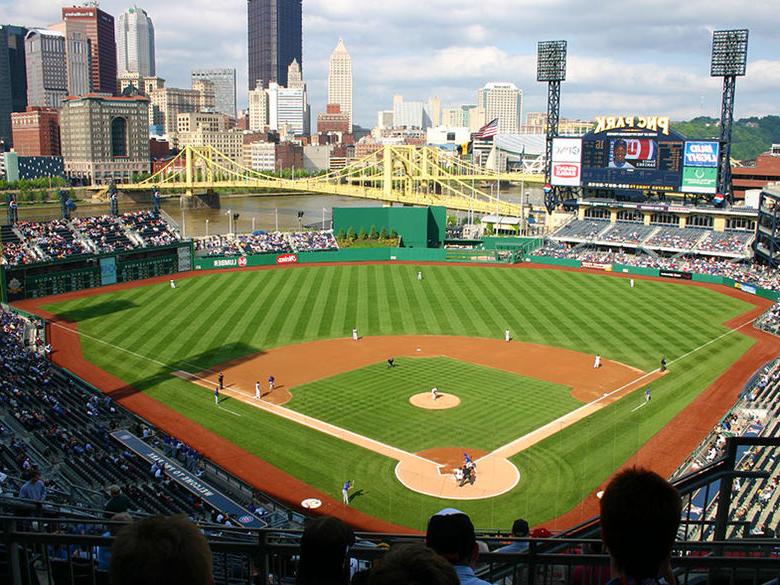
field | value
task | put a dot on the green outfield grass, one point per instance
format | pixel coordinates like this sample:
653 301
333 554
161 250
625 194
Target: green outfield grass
213 318
374 401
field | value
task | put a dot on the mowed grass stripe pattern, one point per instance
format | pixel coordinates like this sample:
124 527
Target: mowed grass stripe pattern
216 317
496 407
213 318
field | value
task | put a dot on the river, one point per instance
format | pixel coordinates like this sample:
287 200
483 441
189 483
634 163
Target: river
261 212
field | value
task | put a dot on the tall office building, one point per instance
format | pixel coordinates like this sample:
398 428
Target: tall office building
258 108
275 39
13 79
340 80
98 27
224 81
503 101
36 132
135 43
47 73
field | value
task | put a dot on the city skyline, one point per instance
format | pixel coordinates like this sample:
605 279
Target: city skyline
645 64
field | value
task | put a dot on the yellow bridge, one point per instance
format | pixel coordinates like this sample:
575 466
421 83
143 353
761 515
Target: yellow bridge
410 175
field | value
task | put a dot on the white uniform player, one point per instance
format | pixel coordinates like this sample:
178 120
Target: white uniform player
597 361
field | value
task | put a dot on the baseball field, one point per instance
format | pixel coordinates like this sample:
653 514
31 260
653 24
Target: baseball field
544 426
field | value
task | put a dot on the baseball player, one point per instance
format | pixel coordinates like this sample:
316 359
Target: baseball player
506 335
345 491
647 394
434 393
221 380
258 391
173 283
354 334
419 275
271 383
597 361
390 362
631 282
216 395
663 363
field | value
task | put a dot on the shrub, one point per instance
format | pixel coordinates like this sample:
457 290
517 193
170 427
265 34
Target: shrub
351 235
362 234
383 233
372 233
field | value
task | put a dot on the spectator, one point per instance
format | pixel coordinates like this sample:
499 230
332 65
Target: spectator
519 530
118 502
324 552
33 488
161 551
413 564
451 534
640 513
103 553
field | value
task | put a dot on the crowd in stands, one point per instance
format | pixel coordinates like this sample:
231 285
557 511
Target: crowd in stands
217 245
151 226
313 241
60 238
656 236
263 243
105 232
770 320
54 238
745 271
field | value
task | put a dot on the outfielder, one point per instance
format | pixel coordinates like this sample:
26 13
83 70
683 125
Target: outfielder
597 361
216 395
354 334
506 335
345 491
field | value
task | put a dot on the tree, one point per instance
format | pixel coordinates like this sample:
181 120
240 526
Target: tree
452 220
341 235
383 233
372 233
393 234
362 234
351 234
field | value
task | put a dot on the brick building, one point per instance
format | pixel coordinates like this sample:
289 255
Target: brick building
36 132
333 120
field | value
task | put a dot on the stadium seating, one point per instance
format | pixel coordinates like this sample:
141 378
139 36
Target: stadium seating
264 243
151 227
63 428
105 232
673 238
730 241
54 239
313 241
588 229
217 246
627 233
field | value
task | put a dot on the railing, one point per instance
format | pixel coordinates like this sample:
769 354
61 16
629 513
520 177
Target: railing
33 547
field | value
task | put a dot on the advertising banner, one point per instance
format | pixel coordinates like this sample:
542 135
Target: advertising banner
675 274
108 270
597 266
566 164
189 481
699 180
287 259
701 154
185 258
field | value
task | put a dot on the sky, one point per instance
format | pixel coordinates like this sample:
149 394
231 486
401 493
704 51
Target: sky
624 57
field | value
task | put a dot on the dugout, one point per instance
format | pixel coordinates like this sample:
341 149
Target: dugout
418 227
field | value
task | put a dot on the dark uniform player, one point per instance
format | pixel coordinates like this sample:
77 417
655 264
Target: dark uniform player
390 362
221 379
663 363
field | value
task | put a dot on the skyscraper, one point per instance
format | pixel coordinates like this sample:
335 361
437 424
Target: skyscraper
135 43
98 27
275 36
47 73
503 101
224 81
13 78
340 80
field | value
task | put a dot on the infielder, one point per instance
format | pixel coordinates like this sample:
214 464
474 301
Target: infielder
271 383
221 380
434 393
258 391
354 335
216 395
647 394
345 491
506 335
597 361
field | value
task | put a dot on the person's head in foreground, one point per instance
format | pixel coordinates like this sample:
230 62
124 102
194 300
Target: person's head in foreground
413 564
451 534
325 546
640 513
161 551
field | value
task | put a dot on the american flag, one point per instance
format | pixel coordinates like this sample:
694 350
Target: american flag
488 130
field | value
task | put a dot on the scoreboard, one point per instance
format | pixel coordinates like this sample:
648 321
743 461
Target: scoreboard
38 280
633 153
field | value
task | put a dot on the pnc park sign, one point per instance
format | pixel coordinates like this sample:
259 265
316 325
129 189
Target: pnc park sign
652 123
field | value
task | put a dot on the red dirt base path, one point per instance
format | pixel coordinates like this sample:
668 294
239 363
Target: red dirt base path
662 453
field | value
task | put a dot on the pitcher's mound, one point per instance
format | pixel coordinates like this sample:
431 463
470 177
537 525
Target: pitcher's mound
444 400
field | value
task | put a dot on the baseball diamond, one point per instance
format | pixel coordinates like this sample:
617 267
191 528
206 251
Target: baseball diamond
558 426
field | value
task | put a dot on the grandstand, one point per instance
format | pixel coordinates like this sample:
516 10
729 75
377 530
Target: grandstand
261 242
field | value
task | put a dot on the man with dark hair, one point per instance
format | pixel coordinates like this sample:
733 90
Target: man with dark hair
519 530
118 502
640 514
161 551
324 552
451 534
413 564
619 151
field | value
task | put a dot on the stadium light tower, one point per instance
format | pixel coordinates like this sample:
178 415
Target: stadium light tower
729 59
551 67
